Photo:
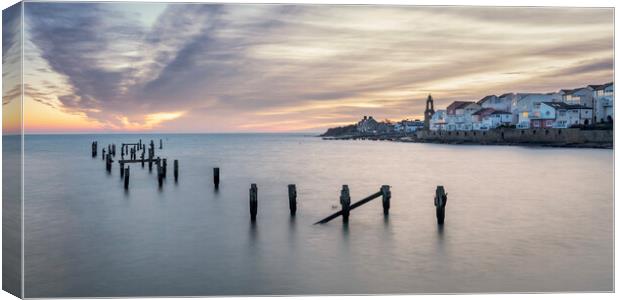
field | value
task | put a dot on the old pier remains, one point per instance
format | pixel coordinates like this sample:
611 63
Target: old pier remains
346 206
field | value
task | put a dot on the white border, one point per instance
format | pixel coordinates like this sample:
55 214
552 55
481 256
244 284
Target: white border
572 3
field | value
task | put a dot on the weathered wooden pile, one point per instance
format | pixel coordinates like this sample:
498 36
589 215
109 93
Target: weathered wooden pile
131 149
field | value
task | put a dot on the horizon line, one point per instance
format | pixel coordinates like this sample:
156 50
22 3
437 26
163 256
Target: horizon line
156 133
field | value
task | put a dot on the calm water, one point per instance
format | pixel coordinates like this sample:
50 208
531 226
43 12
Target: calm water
518 219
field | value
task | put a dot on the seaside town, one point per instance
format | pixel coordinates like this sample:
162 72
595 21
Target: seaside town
589 107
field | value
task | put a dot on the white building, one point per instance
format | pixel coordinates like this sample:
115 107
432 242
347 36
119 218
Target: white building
459 115
579 96
603 102
500 118
526 106
367 124
439 121
408 126
501 103
480 119
562 115
490 119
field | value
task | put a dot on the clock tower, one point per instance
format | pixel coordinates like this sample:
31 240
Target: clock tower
429 112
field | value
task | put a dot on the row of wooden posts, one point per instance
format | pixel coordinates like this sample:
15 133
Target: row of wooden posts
440 200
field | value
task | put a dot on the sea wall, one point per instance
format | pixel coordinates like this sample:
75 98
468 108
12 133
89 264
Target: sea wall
551 136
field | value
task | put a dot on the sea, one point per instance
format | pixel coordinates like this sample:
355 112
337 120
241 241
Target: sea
518 219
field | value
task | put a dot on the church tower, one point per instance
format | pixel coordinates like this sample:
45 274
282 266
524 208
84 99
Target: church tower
429 112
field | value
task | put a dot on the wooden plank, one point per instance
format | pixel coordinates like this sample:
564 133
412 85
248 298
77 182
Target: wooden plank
125 161
353 206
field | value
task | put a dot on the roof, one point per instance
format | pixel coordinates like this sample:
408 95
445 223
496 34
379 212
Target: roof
562 105
570 92
566 91
484 111
458 104
486 98
597 87
501 112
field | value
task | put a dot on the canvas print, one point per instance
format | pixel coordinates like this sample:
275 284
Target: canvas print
205 149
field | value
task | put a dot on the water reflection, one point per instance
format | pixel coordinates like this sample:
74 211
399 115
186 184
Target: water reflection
440 231
440 237
253 232
345 231
487 245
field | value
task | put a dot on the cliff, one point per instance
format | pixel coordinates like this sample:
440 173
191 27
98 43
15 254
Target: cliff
340 131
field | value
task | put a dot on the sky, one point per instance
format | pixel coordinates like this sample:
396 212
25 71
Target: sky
156 67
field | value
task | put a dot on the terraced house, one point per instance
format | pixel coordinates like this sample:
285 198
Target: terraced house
565 108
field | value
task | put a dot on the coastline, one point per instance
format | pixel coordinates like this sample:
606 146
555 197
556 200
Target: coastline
555 138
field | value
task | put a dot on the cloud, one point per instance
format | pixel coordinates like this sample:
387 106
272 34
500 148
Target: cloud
235 67
588 66
11 54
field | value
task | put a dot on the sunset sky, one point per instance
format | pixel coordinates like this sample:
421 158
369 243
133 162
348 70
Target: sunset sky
118 67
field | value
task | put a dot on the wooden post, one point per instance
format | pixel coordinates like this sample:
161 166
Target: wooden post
345 202
216 177
441 199
385 191
139 144
122 168
122 150
108 162
102 153
94 149
165 166
160 144
113 149
127 178
292 199
142 159
176 170
160 177
253 201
